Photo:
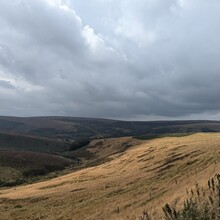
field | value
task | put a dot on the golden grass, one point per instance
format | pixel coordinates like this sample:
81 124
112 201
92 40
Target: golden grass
145 176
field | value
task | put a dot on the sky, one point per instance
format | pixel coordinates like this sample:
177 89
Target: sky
122 59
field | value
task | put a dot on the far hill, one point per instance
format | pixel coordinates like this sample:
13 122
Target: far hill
72 128
31 143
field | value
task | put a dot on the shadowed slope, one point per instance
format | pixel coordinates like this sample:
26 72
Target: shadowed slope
18 167
31 143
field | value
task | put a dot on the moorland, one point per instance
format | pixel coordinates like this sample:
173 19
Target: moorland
81 168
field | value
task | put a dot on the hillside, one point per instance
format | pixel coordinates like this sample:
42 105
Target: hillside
100 150
18 167
145 176
70 128
28 158
31 143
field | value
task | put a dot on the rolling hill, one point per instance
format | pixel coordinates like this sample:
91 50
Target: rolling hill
145 176
55 136
70 128
18 167
31 143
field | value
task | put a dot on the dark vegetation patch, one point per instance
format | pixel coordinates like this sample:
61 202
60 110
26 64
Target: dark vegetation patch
22 159
79 144
98 162
18 206
176 157
11 183
24 202
143 155
28 165
173 157
81 153
192 162
116 193
38 199
196 153
77 190
169 162
30 143
154 136
165 167
55 185
127 206
179 147
42 171
147 159
124 147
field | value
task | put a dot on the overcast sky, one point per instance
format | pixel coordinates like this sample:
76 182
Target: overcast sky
126 59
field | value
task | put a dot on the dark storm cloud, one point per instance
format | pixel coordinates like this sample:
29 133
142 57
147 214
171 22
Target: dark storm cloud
121 59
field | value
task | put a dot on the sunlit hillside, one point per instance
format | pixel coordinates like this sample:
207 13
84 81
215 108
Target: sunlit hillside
144 177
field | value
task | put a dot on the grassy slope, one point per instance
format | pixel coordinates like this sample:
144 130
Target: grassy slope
99 150
145 176
18 166
31 143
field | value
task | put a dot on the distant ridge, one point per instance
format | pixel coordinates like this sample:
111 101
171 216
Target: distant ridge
62 127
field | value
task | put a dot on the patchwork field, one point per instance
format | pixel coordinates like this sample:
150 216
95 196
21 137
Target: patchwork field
145 176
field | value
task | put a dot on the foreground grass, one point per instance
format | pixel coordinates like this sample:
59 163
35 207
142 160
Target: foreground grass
203 204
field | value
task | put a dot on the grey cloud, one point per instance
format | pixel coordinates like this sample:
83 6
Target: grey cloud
6 84
117 59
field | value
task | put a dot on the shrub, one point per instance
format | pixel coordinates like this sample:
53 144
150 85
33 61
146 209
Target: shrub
202 205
